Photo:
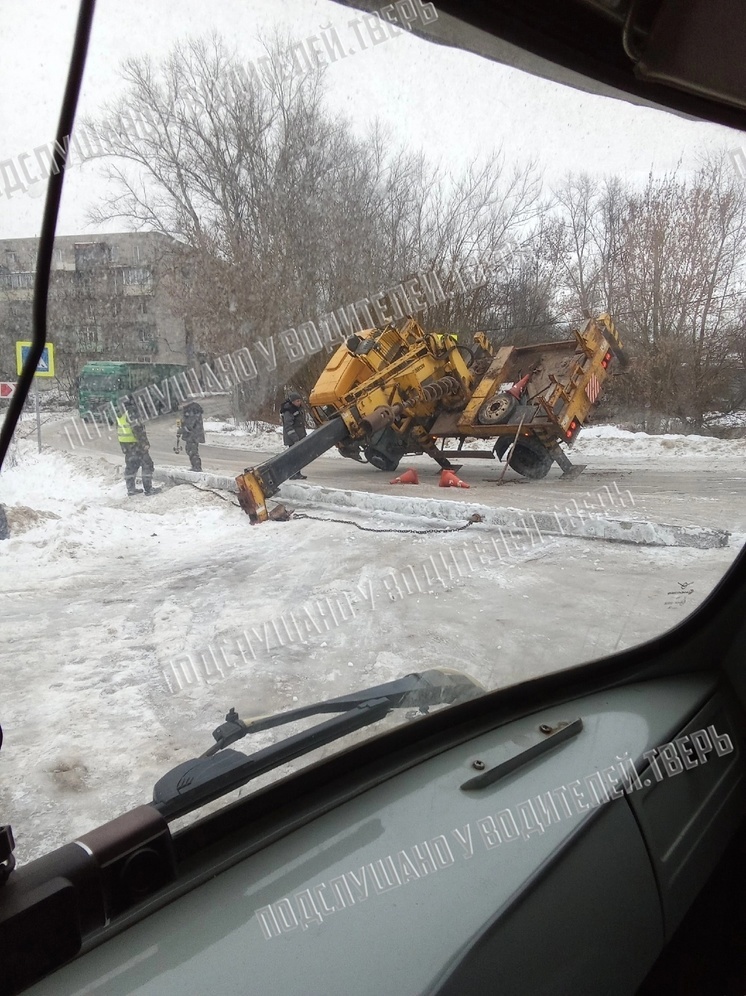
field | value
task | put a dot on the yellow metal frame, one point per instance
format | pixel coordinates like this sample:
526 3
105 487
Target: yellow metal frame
396 377
356 385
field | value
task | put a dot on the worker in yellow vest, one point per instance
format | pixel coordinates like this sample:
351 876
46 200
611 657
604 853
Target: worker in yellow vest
135 445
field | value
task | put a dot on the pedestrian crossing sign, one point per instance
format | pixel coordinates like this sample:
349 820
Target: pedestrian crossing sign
45 366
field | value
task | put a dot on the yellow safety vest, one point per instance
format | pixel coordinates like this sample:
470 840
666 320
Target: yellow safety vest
124 430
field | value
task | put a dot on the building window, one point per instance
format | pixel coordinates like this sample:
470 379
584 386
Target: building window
89 255
11 258
142 306
136 275
16 281
117 308
88 340
136 253
148 340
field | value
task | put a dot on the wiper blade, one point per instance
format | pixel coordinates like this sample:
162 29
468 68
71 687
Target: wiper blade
425 689
194 783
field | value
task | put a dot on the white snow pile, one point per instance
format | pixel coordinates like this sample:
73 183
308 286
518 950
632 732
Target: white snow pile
733 420
249 429
49 481
610 441
98 593
262 436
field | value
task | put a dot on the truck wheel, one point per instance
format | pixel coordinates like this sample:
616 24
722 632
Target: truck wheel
380 460
531 459
497 410
502 446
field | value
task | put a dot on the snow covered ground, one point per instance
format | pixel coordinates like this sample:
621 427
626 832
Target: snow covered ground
131 626
734 420
592 443
262 437
596 441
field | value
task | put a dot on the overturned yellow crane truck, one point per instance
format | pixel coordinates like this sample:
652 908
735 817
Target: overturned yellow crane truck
387 392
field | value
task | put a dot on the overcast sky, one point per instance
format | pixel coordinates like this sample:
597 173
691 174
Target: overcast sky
452 104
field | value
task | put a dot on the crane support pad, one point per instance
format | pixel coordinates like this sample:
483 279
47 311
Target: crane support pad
257 484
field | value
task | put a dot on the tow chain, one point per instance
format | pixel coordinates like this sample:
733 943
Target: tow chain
217 494
367 529
476 517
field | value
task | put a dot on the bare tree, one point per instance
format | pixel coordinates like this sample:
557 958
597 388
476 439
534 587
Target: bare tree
283 213
681 248
664 261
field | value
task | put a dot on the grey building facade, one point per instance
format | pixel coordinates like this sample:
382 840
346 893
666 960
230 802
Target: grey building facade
112 297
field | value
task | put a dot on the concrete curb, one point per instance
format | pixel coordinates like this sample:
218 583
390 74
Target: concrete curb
590 526
200 479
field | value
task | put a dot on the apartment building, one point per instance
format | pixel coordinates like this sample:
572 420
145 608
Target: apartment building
112 297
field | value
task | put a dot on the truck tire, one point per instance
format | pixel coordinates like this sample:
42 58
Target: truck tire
497 410
380 460
531 459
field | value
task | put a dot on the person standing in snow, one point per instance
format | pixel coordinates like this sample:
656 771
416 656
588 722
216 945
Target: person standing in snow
190 428
135 445
293 424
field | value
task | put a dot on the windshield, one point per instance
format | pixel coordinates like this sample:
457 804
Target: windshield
443 366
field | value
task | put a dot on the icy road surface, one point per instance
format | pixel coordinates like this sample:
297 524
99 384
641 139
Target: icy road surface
686 480
103 595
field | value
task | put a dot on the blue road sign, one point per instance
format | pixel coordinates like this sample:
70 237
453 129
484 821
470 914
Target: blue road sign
45 366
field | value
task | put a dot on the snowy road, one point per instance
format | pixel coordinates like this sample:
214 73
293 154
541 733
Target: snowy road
687 481
106 600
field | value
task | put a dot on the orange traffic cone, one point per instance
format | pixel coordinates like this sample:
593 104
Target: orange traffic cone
408 477
449 480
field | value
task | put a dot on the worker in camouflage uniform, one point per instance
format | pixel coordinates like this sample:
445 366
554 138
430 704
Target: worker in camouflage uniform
293 424
190 428
136 448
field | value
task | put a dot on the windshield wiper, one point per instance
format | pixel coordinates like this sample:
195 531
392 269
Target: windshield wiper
194 783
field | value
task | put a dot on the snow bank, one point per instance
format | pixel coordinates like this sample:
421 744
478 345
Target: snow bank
594 442
229 429
262 437
608 441
53 482
735 420
382 512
